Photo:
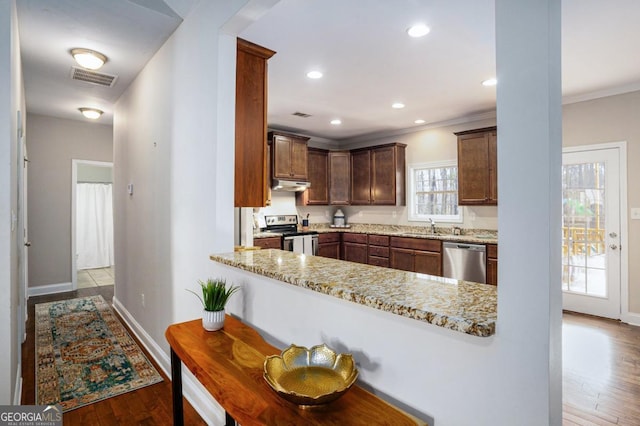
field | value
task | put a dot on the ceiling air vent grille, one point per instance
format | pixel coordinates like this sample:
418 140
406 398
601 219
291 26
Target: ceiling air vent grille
301 114
93 77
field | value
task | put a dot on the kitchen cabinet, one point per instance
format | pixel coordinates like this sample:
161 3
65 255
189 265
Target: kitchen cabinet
329 245
268 242
251 181
378 250
478 167
378 175
339 173
492 264
289 158
419 255
354 247
318 168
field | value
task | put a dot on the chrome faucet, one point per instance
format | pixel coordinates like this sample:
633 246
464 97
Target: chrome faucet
433 225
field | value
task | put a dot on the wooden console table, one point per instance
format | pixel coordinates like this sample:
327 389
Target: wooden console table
229 363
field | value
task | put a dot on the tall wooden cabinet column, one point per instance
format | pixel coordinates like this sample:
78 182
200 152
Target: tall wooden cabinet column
478 167
251 180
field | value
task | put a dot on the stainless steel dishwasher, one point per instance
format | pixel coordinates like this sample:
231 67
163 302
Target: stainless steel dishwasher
463 261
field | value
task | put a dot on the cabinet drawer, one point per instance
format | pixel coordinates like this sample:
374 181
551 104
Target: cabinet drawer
354 238
492 251
416 244
378 251
379 261
379 240
330 237
267 243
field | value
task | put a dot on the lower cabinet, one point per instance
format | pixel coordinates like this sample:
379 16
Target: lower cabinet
329 245
269 242
416 255
492 264
378 250
354 247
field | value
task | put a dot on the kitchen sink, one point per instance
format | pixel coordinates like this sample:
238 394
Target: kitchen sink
424 234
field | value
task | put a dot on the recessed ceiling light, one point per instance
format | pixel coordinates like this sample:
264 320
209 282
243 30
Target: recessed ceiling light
91 113
336 122
490 82
88 59
418 30
397 105
314 74
419 121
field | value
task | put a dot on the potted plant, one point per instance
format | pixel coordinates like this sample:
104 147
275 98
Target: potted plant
215 295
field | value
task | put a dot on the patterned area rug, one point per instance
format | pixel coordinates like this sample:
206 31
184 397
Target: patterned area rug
84 354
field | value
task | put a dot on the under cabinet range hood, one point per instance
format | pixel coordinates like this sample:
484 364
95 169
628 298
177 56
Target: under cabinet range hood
289 185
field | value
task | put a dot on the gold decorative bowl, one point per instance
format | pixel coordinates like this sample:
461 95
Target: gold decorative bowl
310 376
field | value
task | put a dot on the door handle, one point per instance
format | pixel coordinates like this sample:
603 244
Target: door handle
28 244
613 247
613 234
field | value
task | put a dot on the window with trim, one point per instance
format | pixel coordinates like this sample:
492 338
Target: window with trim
433 192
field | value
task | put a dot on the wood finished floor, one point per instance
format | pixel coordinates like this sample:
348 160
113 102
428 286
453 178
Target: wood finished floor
601 377
601 372
147 406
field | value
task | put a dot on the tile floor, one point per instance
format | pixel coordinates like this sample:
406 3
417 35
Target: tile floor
88 278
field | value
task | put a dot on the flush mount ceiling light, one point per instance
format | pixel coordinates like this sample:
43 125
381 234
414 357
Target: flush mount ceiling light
314 74
397 105
419 121
88 59
91 113
490 82
418 30
336 122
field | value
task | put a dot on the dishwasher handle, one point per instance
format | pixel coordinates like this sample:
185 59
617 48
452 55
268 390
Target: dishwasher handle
464 246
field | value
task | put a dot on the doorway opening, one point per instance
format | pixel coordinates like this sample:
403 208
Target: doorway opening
92 259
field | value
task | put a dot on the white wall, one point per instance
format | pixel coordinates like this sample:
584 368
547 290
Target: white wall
173 140
11 101
53 144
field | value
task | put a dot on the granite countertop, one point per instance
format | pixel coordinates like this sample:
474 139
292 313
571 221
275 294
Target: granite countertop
478 236
462 306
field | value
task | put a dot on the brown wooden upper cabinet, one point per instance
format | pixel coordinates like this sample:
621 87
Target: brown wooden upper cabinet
318 168
339 173
478 167
289 156
251 181
378 175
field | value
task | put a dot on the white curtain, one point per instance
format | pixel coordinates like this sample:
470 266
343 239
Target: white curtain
94 225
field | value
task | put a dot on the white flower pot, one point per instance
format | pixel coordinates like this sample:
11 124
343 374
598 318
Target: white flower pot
212 320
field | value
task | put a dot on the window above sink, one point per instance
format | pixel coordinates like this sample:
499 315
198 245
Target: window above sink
433 192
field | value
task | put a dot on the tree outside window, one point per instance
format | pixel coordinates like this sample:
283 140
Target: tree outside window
433 192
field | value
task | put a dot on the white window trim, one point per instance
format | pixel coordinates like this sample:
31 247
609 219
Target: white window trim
411 217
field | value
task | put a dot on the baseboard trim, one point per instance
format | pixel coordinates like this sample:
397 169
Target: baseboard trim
50 289
201 400
17 392
631 318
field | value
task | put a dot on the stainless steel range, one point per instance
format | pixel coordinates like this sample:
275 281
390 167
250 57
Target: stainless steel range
292 239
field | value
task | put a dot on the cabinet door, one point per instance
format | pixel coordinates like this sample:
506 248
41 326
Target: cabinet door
339 173
361 177
331 250
269 242
493 168
492 271
383 176
318 193
355 252
299 162
427 262
473 168
401 259
251 181
282 157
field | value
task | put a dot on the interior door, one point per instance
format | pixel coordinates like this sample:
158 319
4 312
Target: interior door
591 242
24 243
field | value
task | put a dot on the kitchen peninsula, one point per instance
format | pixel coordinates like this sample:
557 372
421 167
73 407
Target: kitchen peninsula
457 305
405 330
